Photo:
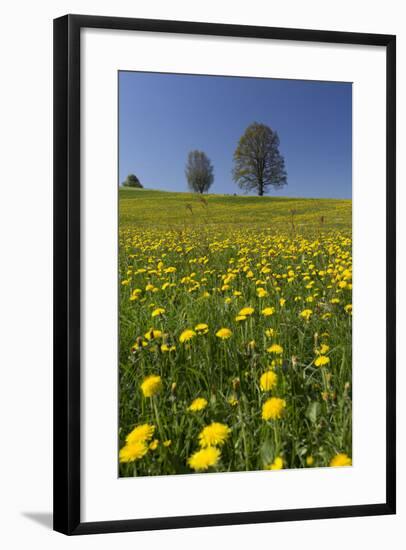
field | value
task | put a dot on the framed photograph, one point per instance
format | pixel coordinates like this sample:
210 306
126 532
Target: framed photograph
224 268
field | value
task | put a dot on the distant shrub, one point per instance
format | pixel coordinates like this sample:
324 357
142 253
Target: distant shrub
132 181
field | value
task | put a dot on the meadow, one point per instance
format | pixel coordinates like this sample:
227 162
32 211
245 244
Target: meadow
235 322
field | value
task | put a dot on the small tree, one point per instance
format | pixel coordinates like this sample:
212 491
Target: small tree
258 163
199 172
132 181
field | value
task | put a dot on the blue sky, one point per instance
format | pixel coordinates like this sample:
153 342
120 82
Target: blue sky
164 116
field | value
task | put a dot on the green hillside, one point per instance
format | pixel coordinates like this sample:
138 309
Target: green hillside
166 209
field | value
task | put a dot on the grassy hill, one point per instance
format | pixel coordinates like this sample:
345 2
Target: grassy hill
166 209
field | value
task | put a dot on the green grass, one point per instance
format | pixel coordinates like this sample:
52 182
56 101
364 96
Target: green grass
225 248
165 209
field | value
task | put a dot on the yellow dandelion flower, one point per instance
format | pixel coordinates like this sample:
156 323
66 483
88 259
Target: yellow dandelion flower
282 302
240 318
348 308
167 347
214 434
158 311
204 459
224 333
277 464
170 270
309 460
306 314
246 311
322 360
151 385
261 292
268 380
139 344
267 311
275 348
323 349
187 335
154 444
153 334
167 443
198 404
143 432
270 332
273 408
135 451
340 459
202 328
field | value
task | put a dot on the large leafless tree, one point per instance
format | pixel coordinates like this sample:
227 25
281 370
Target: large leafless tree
199 172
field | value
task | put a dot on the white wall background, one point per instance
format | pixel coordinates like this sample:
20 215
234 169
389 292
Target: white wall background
26 262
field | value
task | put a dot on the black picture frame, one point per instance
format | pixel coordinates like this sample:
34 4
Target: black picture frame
67 251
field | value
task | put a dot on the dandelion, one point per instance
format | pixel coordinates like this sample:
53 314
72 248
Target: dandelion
204 459
157 312
268 380
132 452
154 445
198 404
348 309
273 408
153 334
187 335
270 332
275 348
202 328
268 311
309 460
151 385
167 443
143 432
322 360
323 349
261 292
214 434
306 314
240 318
224 333
246 311
139 344
282 302
277 464
340 459
167 348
